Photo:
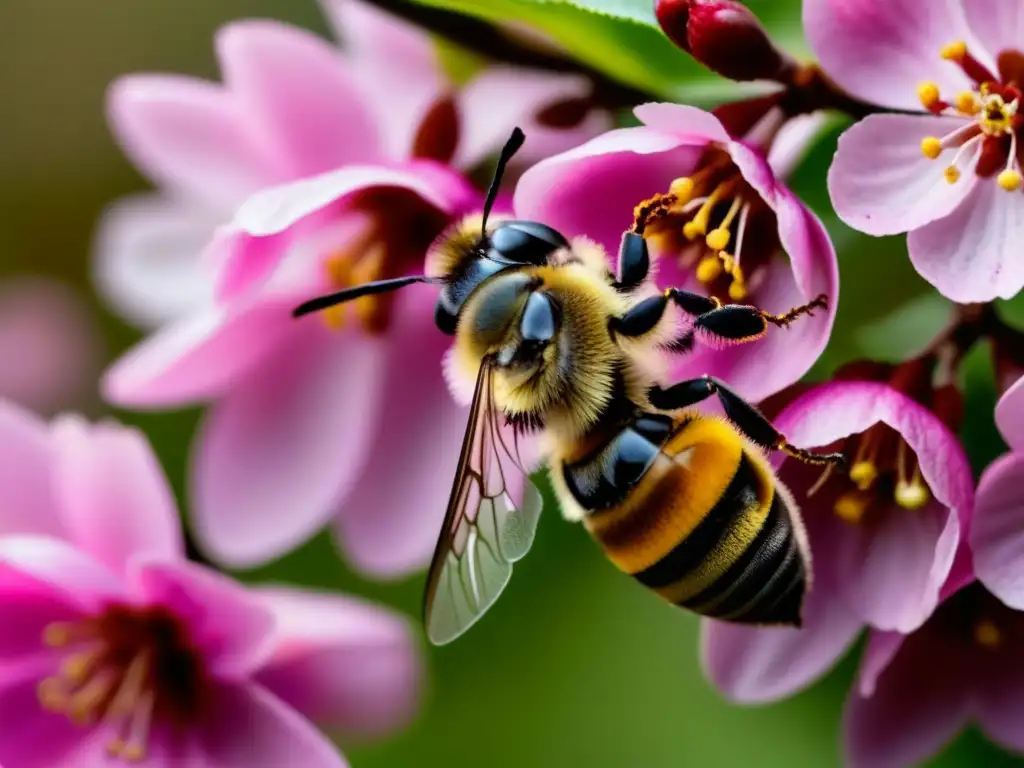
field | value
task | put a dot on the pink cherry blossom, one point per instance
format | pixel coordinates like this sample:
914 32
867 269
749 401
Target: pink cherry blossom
951 176
917 691
115 645
784 254
322 168
1010 415
49 345
883 538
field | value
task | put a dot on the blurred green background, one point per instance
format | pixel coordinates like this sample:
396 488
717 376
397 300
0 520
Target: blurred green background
575 665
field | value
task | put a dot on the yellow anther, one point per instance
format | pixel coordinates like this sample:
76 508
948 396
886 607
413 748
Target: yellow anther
133 753
115 747
718 239
698 225
335 318
737 290
863 474
952 174
911 495
692 230
931 147
954 51
57 635
76 668
928 93
851 506
52 695
709 269
987 634
1009 180
967 103
682 188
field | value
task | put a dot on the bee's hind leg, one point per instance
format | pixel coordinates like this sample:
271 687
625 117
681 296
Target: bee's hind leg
750 421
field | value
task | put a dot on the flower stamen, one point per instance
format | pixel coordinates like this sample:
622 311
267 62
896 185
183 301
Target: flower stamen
852 506
698 225
910 493
987 634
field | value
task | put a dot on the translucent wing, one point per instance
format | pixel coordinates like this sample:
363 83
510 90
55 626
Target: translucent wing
491 520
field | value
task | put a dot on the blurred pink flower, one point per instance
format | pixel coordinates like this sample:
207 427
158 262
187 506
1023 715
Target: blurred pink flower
49 345
883 538
950 177
115 644
917 691
784 252
369 146
293 106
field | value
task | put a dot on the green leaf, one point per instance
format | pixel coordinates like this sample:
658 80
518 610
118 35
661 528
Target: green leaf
617 37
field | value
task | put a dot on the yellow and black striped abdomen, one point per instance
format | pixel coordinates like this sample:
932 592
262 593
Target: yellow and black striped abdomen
705 524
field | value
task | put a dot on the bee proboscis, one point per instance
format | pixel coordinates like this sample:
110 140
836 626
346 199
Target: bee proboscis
686 503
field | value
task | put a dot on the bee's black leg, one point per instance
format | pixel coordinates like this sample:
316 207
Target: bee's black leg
750 421
644 316
634 262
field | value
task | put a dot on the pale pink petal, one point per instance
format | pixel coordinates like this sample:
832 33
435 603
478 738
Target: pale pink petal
275 210
299 93
27 606
754 665
1000 705
190 135
880 50
1010 415
500 98
113 497
794 140
879 652
973 254
25 474
50 344
612 172
32 737
382 48
72 575
689 125
880 182
252 727
231 628
244 262
997 535
147 257
919 704
895 570
390 528
200 356
754 168
278 455
345 664
998 25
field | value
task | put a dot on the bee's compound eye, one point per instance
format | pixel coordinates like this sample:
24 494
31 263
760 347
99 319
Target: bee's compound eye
526 242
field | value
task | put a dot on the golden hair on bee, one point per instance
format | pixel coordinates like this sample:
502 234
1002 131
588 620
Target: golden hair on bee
547 338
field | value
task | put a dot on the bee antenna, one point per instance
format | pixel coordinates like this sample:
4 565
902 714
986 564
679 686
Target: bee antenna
358 291
515 141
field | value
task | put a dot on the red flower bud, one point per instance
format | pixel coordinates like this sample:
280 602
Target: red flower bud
724 36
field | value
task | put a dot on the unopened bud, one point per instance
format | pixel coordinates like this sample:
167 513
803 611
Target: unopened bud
724 36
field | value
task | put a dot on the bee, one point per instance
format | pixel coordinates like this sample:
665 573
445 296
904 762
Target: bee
684 502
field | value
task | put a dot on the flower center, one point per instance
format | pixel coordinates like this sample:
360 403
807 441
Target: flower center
992 129
974 618
122 670
400 230
882 467
719 227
